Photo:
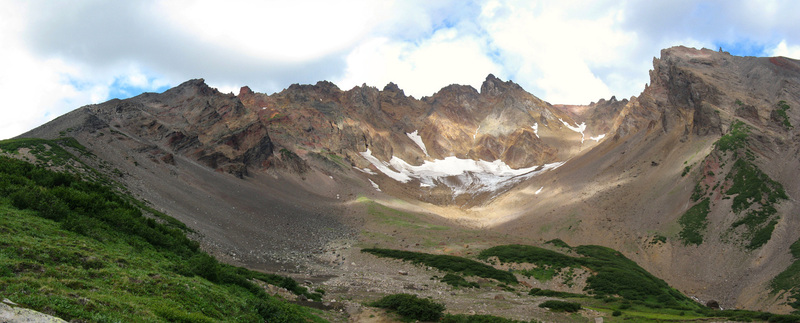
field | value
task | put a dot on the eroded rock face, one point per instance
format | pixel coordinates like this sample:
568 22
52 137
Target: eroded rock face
193 120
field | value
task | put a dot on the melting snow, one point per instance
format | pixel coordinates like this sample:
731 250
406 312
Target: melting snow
418 140
539 190
460 175
476 132
580 128
535 127
366 170
598 137
384 167
378 188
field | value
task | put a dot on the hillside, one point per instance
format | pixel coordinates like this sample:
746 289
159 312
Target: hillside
691 179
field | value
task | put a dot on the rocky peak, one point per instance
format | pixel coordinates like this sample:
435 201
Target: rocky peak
194 87
245 90
493 86
391 87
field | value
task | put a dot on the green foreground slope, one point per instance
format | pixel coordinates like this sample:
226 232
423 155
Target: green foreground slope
81 251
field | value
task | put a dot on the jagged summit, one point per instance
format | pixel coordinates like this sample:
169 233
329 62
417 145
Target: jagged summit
493 86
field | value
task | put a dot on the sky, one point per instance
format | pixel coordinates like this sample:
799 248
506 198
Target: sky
56 56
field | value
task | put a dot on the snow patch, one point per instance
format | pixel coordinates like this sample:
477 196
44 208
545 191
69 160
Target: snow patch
460 175
366 170
383 167
598 137
476 132
538 191
535 127
375 185
418 140
580 128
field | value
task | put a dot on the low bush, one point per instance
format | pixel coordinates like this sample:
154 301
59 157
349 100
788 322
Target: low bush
612 273
462 318
458 281
693 223
552 293
455 264
411 307
561 306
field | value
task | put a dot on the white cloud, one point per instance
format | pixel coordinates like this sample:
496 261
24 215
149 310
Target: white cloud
420 69
782 49
553 54
287 31
57 56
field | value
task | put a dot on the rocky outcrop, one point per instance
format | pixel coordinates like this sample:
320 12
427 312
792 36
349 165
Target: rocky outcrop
11 313
193 120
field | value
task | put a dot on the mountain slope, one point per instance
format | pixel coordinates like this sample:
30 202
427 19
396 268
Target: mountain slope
618 173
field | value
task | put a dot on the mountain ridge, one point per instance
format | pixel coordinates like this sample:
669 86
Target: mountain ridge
623 190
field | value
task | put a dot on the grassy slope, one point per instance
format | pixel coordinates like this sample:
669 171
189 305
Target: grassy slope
78 250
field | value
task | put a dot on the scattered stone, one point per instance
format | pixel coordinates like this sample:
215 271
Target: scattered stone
402 272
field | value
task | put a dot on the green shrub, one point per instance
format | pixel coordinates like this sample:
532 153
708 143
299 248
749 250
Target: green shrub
462 318
693 223
686 170
612 273
528 254
735 139
552 293
782 115
558 243
618 313
411 307
447 263
458 281
561 306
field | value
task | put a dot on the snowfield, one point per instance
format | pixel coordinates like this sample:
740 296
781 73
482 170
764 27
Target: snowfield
460 175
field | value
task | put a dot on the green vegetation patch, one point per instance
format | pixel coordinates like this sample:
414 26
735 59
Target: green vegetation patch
558 243
81 251
449 263
458 281
686 170
658 239
613 273
753 192
541 273
781 112
552 293
751 186
693 223
789 279
46 151
561 306
462 318
735 139
529 254
411 307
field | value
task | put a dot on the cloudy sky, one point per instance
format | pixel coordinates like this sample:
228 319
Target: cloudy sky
56 56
